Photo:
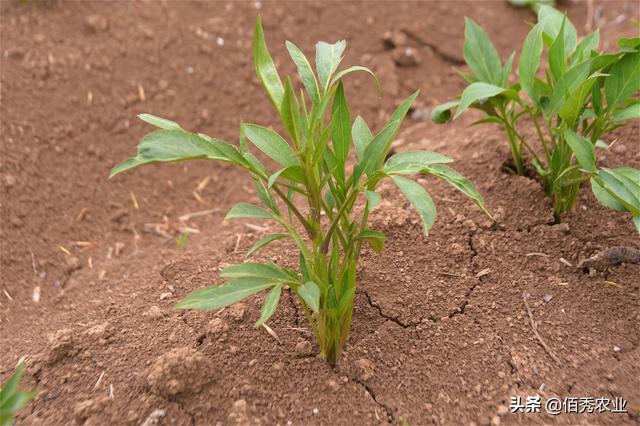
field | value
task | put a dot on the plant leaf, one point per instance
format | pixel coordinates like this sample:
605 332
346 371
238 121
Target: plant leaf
419 199
328 57
442 113
306 72
551 20
480 54
265 68
341 133
477 92
232 291
530 60
557 61
271 143
290 111
623 80
575 103
269 271
293 173
248 210
270 304
310 293
604 198
162 123
586 46
356 68
459 182
373 198
361 136
412 162
624 188
567 84
632 111
583 150
178 145
263 242
375 239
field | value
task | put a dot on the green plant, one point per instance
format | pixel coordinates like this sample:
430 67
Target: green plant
12 399
574 100
313 167
533 4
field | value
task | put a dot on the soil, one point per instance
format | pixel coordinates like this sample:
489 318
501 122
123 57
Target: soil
441 333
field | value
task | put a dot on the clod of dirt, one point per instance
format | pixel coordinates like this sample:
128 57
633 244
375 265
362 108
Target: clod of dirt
154 313
238 415
9 180
72 264
96 23
178 371
304 348
85 409
216 326
237 311
154 417
562 228
100 332
406 57
365 369
61 345
394 38
611 256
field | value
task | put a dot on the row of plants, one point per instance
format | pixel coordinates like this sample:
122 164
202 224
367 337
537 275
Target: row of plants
581 95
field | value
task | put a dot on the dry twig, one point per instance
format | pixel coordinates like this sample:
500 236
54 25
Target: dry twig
534 327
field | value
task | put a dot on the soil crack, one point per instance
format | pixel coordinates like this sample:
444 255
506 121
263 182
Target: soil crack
386 408
447 57
394 319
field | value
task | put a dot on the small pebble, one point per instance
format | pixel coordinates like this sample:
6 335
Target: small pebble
316 411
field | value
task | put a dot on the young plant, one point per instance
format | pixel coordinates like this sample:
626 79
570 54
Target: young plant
311 167
572 102
13 399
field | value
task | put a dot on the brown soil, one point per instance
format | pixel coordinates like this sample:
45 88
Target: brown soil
440 334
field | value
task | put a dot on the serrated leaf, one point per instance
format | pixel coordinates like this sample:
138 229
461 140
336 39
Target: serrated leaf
232 291
264 242
419 199
265 68
361 136
583 150
271 143
310 293
270 304
306 72
480 54
375 238
623 80
249 211
442 113
328 57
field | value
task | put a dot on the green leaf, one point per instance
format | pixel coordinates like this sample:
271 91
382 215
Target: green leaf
306 72
248 210
162 123
270 304
477 93
178 145
10 407
341 133
373 198
269 271
263 242
9 388
265 68
375 238
361 136
583 149
623 186
506 71
232 291
604 198
419 199
569 83
459 182
480 54
328 57
636 222
632 111
356 68
310 293
530 60
293 173
412 162
271 143
586 46
377 150
623 80
290 111
557 61
629 43
442 113
551 20
575 103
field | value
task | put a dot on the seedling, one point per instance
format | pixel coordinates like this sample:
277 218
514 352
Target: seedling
13 399
572 102
312 167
